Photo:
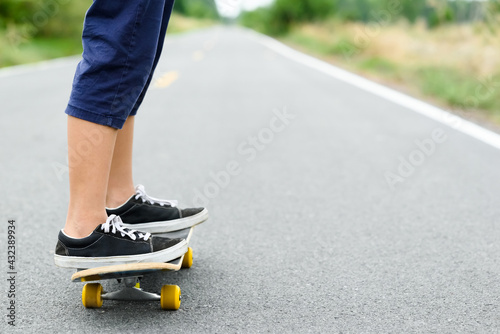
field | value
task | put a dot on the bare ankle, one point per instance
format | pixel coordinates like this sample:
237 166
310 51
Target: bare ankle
118 197
81 226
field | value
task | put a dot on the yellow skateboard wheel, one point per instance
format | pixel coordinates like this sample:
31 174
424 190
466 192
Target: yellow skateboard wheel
91 295
170 297
187 261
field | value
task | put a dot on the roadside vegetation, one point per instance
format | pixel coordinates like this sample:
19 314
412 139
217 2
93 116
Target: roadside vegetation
35 30
445 52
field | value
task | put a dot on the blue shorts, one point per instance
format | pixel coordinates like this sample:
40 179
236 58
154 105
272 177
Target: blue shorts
122 43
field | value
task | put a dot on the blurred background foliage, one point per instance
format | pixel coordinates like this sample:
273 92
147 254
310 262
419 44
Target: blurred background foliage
282 14
204 9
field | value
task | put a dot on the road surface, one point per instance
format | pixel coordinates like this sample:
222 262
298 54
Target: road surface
332 208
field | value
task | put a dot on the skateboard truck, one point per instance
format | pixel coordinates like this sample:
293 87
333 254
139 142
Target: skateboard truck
131 291
169 297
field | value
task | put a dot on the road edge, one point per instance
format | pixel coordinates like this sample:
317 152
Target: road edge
444 117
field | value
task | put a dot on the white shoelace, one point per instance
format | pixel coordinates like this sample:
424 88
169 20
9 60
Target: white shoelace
116 225
140 192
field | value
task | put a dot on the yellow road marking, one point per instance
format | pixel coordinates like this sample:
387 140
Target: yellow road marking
166 79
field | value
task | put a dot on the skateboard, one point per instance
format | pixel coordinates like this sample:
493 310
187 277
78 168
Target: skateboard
129 276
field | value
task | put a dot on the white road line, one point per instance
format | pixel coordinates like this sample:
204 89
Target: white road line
406 101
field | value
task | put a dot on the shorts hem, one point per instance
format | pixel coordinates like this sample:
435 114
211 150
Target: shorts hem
86 115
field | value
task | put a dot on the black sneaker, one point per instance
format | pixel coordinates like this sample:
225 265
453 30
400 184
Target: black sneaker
111 243
153 215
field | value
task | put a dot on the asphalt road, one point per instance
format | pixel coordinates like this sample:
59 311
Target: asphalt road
332 209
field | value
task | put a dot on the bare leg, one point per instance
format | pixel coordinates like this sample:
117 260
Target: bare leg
120 183
90 148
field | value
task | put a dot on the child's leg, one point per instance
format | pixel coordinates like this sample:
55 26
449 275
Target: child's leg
120 184
90 149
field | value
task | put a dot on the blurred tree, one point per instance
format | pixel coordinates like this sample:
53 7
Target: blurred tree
16 11
412 10
278 18
282 14
359 10
197 8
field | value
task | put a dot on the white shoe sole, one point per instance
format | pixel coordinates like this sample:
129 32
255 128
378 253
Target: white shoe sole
79 262
170 225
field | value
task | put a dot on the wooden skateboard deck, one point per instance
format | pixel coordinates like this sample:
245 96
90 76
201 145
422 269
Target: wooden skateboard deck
123 270
130 274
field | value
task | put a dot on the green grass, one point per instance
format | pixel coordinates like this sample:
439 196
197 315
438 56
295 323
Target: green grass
312 45
38 50
339 46
51 48
459 90
179 23
378 65
315 45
